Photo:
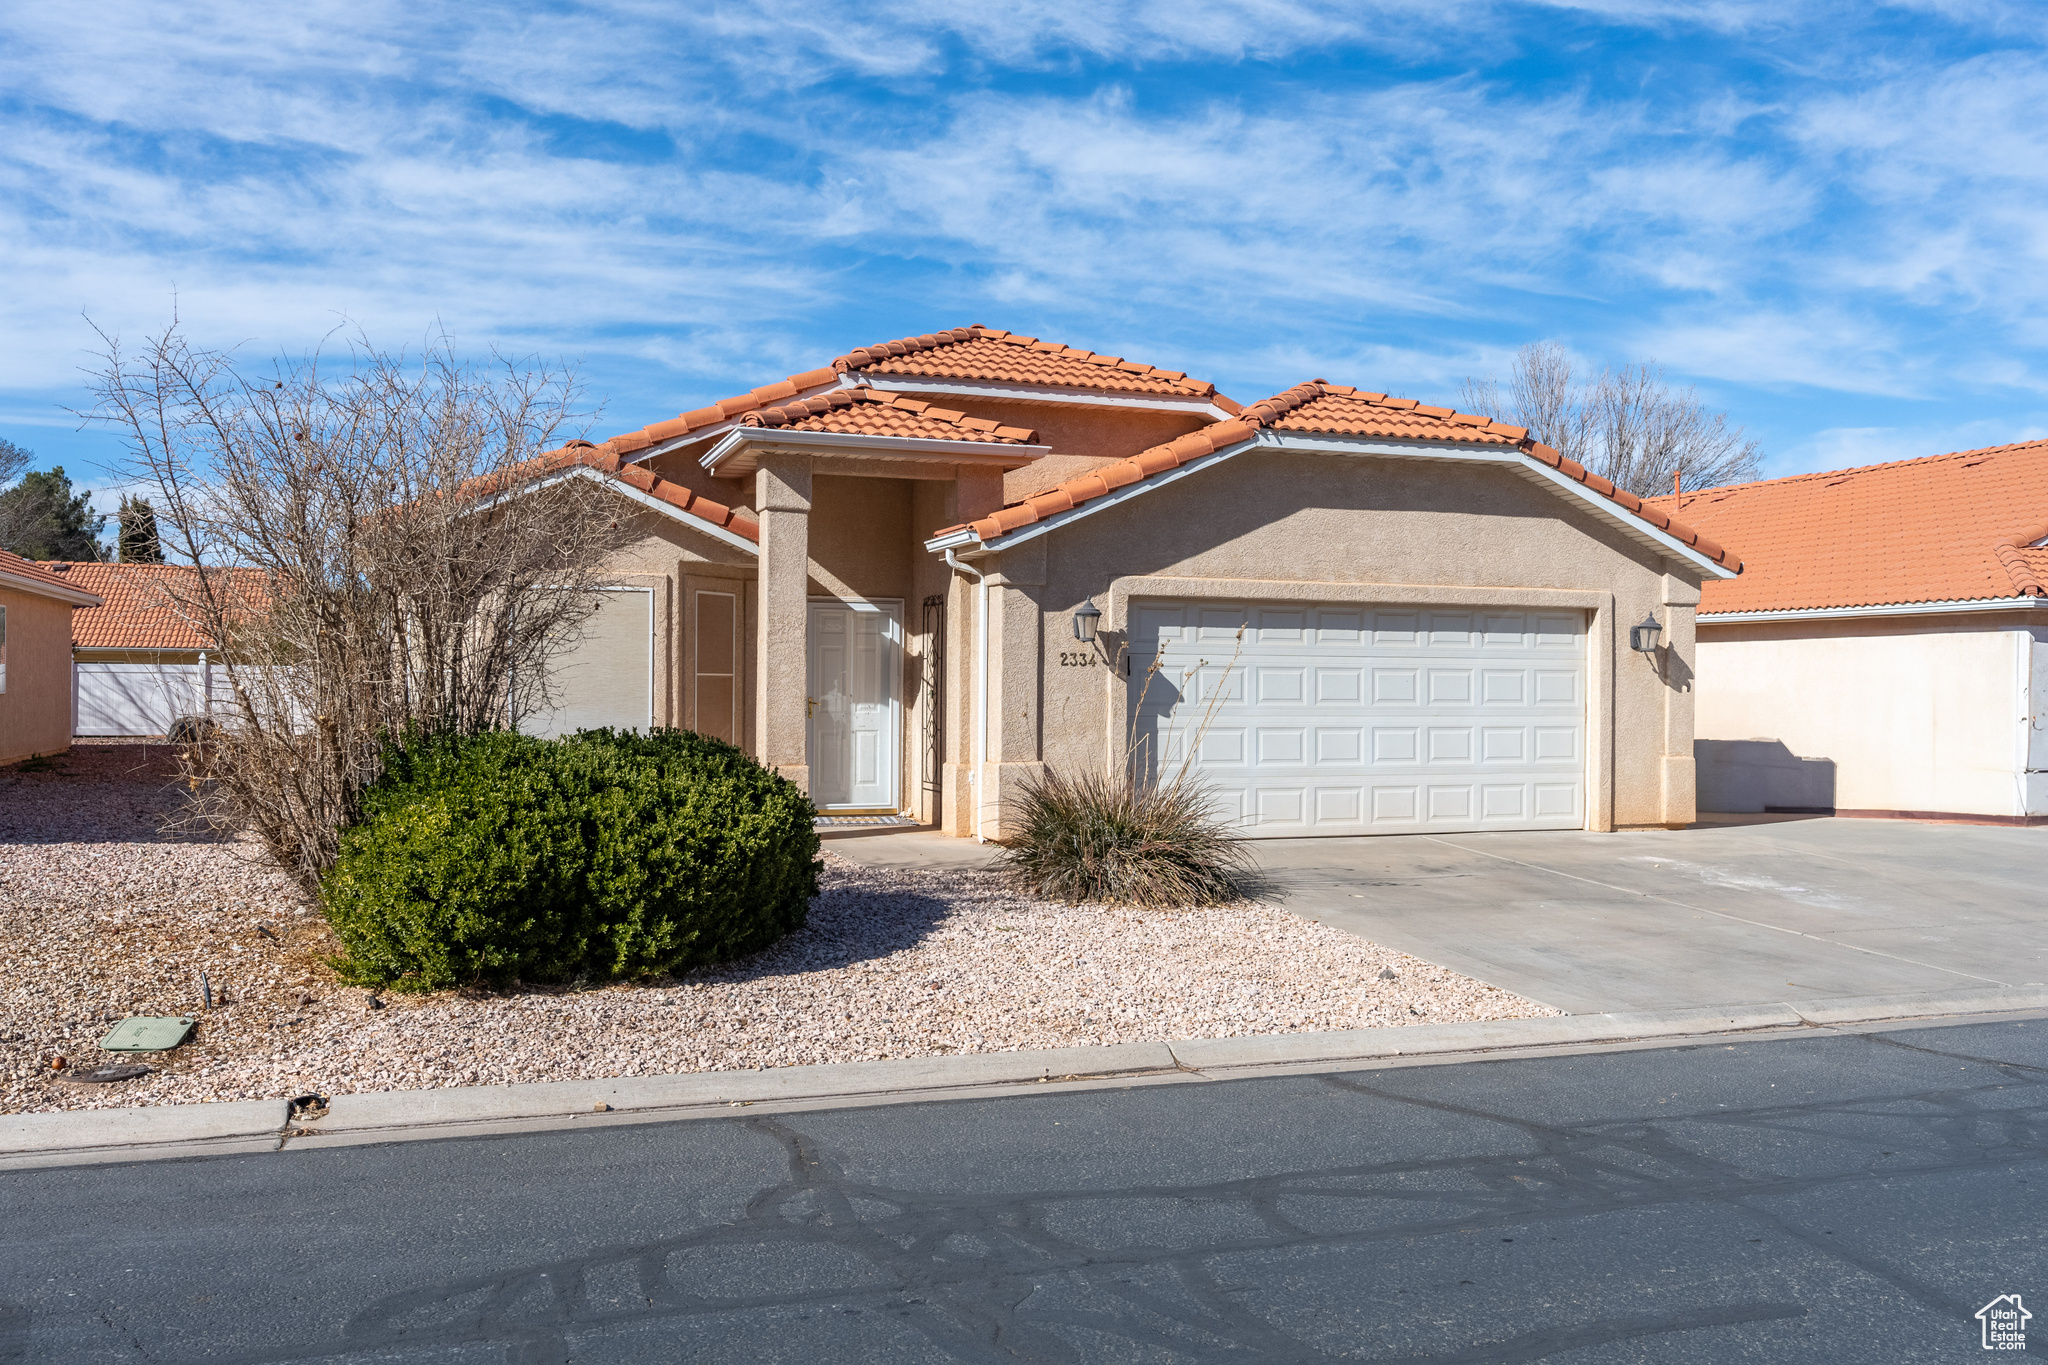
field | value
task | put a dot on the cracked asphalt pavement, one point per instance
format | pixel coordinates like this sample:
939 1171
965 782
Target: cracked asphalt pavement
1837 1196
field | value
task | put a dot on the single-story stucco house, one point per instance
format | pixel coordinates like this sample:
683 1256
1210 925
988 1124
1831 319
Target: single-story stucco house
35 657
914 576
1885 652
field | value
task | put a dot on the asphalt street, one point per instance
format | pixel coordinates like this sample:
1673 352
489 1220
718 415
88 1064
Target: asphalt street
1831 1197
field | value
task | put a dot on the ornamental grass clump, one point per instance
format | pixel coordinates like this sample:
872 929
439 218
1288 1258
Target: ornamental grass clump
496 858
1122 841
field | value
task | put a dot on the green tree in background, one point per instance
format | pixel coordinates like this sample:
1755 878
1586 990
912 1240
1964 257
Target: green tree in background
138 539
41 517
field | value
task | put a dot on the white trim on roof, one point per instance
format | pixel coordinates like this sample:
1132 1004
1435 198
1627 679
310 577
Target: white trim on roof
965 535
1965 604
1007 454
1343 445
1191 404
667 509
77 597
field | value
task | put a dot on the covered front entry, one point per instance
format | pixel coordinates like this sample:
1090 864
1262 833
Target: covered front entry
853 704
1329 720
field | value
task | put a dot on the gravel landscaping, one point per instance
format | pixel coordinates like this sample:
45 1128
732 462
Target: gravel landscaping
105 914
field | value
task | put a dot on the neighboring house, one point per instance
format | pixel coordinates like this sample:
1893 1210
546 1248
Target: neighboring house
35 657
139 663
1369 615
1885 652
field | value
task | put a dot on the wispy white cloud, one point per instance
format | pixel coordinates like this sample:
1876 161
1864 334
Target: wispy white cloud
703 192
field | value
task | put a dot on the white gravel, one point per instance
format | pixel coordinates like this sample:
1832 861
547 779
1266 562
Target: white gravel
103 916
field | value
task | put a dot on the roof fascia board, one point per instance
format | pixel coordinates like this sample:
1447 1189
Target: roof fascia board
1035 393
77 597
1438 450
668 510
966 536
1969 604
962 452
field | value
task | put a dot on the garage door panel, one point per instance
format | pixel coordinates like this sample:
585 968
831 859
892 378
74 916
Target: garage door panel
1478 717
1450 686
1344 628
1339 746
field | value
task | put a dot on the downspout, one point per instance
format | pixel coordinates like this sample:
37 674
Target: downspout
981 667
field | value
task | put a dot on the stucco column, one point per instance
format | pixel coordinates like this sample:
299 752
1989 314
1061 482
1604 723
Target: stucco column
783 497
1680 775
1016 660
973 493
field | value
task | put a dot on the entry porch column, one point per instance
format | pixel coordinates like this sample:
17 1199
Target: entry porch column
782 496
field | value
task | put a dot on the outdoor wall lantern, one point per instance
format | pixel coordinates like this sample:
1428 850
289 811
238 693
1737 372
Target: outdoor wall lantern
1643 638
1086 617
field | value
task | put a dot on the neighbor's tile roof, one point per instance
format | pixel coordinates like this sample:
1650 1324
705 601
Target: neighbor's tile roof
28 569
1335 409
866 412
142 608
969 353
1946 528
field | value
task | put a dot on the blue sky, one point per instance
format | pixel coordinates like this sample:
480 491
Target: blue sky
1827 216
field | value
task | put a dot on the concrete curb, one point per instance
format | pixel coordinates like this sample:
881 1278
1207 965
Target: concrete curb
244 1125
260 1125
1289 1049
845 1080
1863 1009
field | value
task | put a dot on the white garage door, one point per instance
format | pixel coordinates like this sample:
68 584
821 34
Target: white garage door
607 677
1324 720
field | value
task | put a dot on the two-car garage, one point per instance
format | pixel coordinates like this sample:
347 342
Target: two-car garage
1310 719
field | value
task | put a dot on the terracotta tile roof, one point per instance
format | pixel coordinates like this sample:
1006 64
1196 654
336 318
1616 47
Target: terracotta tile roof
1945 528
971 353
1334 409
16 567
142 610
984 353
866 412
606 462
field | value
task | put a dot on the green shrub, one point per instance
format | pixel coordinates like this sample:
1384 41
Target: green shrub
494 858
1121 840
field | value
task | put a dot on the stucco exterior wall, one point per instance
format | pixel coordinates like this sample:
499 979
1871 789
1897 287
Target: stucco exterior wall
1304 527
35 711
1081 439
1924 714
674 561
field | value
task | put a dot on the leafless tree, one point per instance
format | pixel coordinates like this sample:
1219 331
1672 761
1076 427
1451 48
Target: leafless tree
1627 425
379 553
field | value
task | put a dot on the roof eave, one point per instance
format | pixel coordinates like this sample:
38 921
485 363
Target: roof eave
1000 454
1954 606
76 597
667 509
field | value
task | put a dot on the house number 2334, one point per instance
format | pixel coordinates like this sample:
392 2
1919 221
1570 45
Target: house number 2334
1076 659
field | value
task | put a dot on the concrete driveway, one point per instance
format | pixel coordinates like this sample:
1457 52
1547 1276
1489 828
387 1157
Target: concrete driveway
1720 914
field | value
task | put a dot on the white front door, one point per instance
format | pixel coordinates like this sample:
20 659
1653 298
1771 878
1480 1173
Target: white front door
855 713
1309 720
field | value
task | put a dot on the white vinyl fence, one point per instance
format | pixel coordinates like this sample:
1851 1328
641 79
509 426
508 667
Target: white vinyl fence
141 699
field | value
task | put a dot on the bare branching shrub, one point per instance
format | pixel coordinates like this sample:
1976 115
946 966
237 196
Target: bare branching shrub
1145 835
393 573
1626 425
